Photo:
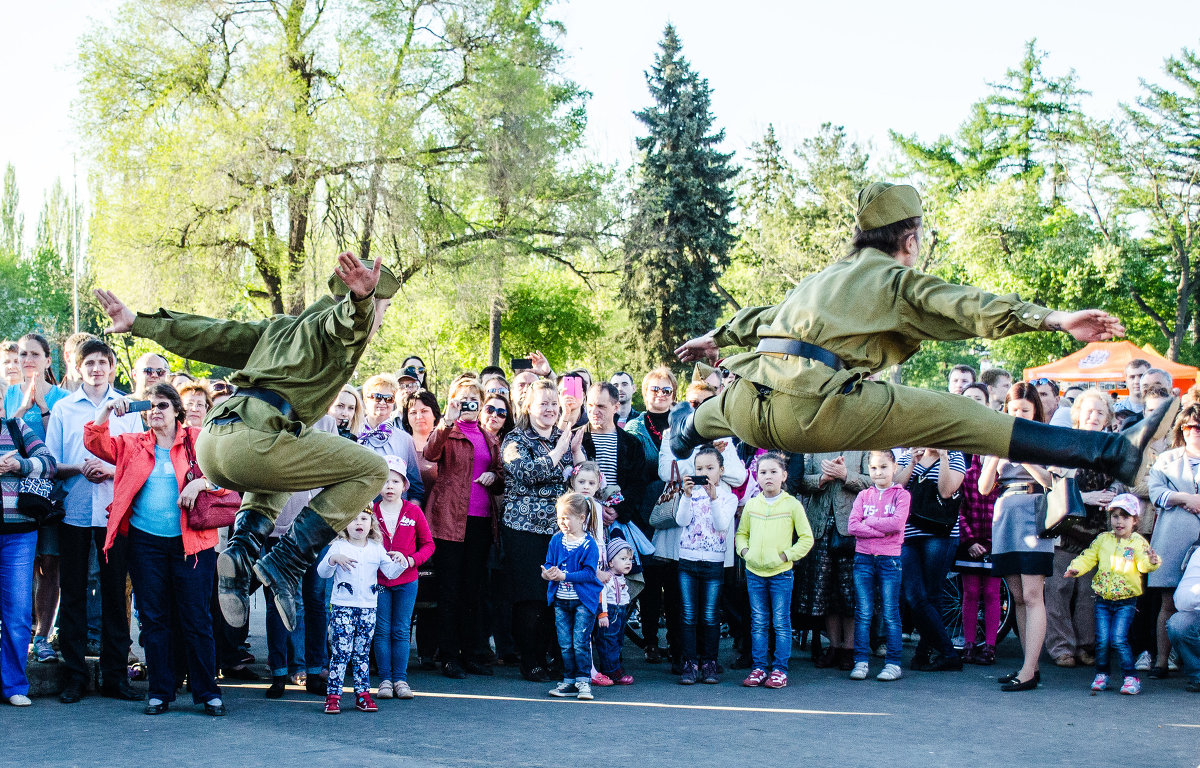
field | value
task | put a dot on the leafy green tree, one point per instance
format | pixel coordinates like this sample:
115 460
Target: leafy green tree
680 234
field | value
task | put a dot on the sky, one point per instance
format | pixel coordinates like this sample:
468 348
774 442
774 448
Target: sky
870 66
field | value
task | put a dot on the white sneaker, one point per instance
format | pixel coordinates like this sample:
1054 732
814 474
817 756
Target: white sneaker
402 690
1143 662
19 700
585 691
1173 661
890 672
860 671
385 690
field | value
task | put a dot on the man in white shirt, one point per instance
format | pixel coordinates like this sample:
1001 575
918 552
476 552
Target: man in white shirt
1184 627
89 485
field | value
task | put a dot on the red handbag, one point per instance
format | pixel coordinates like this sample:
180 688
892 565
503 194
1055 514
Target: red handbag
210 510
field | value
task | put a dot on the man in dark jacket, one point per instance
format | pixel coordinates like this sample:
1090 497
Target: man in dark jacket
618 453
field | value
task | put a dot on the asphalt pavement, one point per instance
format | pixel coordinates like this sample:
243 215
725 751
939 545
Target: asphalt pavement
953 719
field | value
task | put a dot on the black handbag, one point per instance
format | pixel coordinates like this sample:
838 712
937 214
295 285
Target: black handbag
929 512
33 493
1061 507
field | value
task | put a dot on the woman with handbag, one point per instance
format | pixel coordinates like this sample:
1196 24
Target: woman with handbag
18 542
1018 554
171 562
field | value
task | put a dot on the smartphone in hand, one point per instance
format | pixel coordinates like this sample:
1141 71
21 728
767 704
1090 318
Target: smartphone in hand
138 406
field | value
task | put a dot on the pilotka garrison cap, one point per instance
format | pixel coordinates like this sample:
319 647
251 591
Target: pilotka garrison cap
881 203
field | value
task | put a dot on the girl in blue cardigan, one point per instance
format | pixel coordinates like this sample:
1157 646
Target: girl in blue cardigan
574 591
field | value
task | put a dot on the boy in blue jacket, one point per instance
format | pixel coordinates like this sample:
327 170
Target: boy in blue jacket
574 591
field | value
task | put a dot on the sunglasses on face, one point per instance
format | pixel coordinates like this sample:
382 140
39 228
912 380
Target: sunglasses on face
725 372
1191 427
220 389
501 412
162 405
662 390
381 397
498 391
1040 382
155 371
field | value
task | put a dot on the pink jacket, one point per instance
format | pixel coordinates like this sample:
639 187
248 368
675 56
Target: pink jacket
411 539
877 520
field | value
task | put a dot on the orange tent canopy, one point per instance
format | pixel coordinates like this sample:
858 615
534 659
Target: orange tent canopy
1106 361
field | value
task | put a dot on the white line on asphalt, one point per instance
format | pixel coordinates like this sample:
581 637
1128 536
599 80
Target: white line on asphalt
1182 725
708 707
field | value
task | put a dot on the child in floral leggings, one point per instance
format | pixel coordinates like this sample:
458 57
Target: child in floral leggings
354 560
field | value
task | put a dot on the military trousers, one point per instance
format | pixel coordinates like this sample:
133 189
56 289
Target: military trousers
267 467
872 415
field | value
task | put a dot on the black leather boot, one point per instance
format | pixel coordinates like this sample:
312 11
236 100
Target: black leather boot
283 567
684 437
235 574
1118 455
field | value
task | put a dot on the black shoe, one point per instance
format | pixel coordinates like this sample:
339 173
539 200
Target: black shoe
283 567
475 668
156 709
742 661
1016 685
316 685
71 694
826 659
1012 676
123 691
536 675
684 437
215 710
946 664
235 574
278 687
845 657
653 655
1159 673
454 670
240 673
1193 687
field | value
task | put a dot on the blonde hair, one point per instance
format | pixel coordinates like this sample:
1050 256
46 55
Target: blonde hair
540 385
1100 397
381 380
373 533
466 381
588 466
661 372
356 421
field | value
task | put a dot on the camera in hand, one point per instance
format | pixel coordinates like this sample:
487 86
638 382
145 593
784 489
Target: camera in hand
699 479
470 405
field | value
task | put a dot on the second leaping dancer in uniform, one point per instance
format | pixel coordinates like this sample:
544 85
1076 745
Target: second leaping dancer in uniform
804 387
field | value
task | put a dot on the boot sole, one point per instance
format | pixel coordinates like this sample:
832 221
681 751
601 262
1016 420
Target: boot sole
280 605
234 607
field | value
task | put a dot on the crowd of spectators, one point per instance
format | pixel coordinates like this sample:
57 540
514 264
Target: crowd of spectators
499 473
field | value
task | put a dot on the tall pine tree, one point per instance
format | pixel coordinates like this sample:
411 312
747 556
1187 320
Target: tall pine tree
680 233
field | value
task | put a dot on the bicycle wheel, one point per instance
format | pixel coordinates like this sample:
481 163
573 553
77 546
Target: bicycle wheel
952 613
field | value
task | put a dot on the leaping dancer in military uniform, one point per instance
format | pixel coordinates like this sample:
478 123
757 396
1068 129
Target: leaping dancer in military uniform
258 442
804 387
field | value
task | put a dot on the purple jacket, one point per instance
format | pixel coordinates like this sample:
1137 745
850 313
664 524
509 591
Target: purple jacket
877 520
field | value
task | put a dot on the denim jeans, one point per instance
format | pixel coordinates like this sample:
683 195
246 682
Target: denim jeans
393 630
925 561
1113 618
285 650
1184 630
607 642
573 622
880 572
166 584
770 603
700 598
16 608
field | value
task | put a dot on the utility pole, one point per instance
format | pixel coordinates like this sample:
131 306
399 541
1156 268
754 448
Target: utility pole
75 249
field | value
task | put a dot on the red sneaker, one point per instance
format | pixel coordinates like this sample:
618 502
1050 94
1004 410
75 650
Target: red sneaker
365 703
601 679
626 679
333 704
778 679
755 678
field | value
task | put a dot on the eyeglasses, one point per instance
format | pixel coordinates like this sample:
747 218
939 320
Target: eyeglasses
1040 382
382 398
1191 427
498 391
155 371
662 390
501 412
161 405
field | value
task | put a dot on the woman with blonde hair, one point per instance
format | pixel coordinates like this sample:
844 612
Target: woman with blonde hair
382 433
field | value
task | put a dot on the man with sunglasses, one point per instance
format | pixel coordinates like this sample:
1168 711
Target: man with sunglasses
149 370
805 388
258 442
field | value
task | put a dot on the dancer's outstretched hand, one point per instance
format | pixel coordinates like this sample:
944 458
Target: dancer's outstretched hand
122 316
1086 324
359 279
699 348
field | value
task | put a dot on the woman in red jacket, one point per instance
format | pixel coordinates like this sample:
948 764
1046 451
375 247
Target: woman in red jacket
172 565
463 524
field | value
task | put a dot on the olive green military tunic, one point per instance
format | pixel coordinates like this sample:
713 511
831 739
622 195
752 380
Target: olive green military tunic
246 444
872 312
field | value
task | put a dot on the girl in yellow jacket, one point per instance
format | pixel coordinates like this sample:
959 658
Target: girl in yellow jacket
1122 556
765 541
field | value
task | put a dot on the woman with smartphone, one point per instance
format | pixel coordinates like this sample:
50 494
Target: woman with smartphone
463 525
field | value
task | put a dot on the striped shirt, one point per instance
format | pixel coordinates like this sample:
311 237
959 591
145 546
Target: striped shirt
958 463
